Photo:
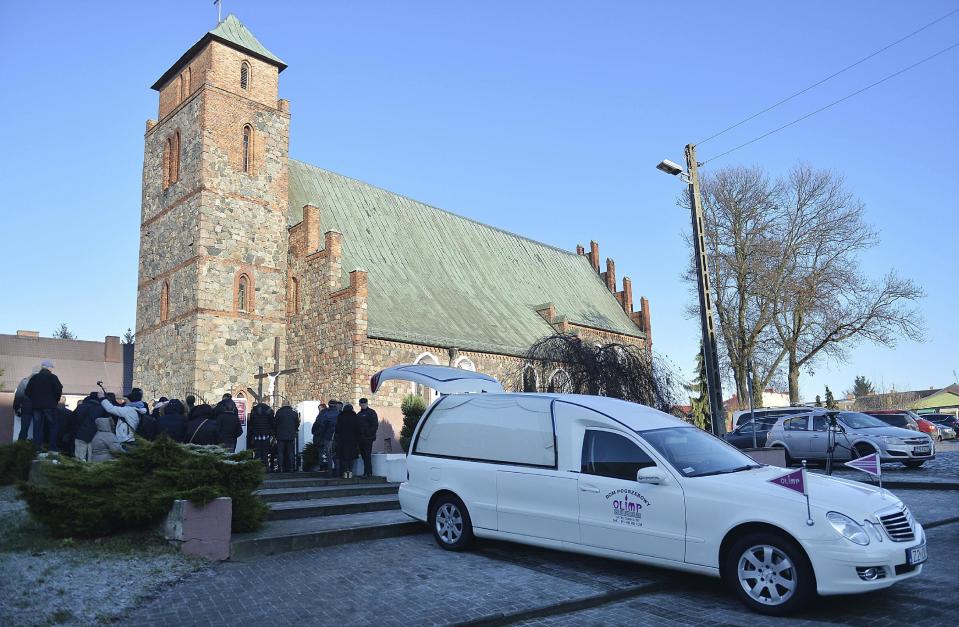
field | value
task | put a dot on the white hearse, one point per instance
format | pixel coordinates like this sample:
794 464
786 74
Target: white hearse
606 477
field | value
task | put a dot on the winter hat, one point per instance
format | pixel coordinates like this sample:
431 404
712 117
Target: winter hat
47 363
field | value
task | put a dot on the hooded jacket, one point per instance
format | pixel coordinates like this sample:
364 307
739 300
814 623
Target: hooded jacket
172 422
228 422
261 420
201 428
88 411
327 423
128 418
44 390
104 444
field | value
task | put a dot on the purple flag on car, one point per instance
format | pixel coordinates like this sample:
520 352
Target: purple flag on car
869 464
796 480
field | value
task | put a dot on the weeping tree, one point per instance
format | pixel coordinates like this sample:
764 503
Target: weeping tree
564 362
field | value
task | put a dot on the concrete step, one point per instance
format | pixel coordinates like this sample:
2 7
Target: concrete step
279 536
316 482
272 495
284 510
294 475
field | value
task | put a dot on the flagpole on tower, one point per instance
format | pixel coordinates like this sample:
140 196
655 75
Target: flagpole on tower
218 4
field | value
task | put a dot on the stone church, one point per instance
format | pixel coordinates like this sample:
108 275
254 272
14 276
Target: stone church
249 257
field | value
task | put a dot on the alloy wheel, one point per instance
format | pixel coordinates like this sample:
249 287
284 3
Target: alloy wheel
767 574
449 523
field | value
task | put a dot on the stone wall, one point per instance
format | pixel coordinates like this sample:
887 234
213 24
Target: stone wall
215 222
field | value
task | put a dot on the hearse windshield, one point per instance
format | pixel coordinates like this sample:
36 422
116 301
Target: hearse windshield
695 453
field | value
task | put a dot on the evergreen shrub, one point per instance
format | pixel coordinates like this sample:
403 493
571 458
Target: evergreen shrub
413 407
311 456
15 460
135 491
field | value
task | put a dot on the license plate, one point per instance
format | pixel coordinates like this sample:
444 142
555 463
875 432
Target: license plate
916 555
921 450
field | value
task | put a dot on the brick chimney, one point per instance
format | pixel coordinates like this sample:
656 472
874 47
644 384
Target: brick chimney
112 350
594 255
610 275
22 333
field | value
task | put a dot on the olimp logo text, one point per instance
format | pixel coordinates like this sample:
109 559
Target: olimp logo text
626 510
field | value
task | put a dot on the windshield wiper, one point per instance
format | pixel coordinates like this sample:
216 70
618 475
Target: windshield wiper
728 470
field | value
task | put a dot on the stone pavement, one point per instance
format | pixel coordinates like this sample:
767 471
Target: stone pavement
411 581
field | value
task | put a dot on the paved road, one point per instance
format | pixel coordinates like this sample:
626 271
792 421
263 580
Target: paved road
409 580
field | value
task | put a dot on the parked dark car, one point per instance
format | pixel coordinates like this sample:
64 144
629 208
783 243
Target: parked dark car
742 436
943 419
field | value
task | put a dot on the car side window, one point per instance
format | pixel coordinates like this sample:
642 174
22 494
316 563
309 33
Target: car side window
611 455
820 423
799 423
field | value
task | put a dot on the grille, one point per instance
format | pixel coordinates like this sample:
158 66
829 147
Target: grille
916 441
898 526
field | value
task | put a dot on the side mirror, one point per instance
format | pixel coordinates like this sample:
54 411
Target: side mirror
652 474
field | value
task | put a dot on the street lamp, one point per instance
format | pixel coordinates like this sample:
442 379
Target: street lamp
714 388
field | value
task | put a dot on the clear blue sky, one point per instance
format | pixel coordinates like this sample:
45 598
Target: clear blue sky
546 119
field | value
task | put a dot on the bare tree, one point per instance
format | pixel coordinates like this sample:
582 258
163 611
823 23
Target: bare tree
823 304
742 209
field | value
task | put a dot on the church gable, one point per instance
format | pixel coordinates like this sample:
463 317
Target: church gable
441 279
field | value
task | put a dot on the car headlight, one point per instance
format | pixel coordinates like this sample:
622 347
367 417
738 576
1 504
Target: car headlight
891 439
848 528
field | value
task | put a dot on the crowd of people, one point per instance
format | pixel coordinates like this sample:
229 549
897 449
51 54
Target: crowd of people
103 425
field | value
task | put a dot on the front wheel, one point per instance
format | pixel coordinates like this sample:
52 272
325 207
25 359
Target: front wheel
451 524
916 463
769 573
789 459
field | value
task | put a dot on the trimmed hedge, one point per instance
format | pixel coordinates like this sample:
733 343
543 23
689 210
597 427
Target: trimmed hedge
136 490
15 460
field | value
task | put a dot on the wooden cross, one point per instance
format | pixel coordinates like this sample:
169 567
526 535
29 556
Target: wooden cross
271 376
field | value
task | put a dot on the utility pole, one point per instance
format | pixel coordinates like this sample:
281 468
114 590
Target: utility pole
714 386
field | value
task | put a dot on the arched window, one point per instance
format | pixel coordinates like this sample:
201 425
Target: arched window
243 293
182 89
187 84
530 380
559 381
247 148
165 302
175 159
465 363
428 394
167 156
294 304
244 75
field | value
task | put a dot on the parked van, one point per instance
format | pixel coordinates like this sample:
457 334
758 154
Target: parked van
615 479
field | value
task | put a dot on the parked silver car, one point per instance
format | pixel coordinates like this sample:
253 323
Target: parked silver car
806 436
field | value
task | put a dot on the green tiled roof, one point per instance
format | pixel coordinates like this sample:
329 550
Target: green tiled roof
232 33
441 279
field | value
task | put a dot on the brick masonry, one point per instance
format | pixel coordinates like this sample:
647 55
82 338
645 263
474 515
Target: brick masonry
213 222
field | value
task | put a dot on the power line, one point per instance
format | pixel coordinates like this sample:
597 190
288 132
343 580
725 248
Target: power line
834 102
831 76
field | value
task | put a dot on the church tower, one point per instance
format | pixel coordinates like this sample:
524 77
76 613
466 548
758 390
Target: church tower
211 294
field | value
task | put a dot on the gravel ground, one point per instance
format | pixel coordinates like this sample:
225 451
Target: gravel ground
48 581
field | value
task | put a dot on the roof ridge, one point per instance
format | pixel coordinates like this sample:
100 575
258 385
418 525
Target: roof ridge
446 211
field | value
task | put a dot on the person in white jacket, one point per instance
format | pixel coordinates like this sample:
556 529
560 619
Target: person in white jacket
128 415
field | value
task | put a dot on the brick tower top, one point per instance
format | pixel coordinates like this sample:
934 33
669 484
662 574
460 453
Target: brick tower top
229 57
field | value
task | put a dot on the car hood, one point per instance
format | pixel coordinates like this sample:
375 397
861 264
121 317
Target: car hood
855 499
896 432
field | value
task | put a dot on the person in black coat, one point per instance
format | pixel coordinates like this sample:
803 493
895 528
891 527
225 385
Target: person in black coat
202 428
368 423
44 391
287 428
172 422
347 437
87 412
66 429
259 432
228 423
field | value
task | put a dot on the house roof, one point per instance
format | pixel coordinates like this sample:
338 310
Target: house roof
230 32
441 279
79 364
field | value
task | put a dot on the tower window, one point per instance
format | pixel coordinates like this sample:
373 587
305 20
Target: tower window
243 293
248 149
167 156
165 302
244 75
175 159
